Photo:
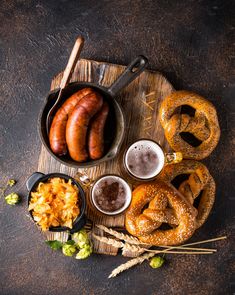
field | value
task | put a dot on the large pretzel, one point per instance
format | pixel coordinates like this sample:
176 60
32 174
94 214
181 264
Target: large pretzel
204 125
200 182
165 205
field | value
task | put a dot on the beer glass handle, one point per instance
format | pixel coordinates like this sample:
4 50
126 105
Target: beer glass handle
84 179
173 158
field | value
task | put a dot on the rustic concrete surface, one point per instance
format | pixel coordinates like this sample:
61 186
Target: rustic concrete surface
192 43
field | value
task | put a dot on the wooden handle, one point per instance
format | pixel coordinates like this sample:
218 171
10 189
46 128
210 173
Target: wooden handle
173 158
77 48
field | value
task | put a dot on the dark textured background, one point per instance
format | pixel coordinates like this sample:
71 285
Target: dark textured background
192 43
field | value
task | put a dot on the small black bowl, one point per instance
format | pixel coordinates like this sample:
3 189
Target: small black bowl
38 177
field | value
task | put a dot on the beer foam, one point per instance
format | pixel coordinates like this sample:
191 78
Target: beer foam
144 159
104 203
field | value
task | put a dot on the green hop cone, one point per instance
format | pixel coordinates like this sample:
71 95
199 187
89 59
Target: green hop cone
11 182
12 199
68 249
81 238
55 245
84 252
156 262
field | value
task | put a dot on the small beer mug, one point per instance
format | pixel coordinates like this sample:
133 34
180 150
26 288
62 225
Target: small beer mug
110 194
145 159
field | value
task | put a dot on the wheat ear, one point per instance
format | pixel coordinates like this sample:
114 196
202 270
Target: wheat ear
119 244
129 264
109 241
135 241
120 236
133 248
145 256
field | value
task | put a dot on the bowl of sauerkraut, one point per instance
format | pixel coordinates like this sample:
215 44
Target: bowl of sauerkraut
56 202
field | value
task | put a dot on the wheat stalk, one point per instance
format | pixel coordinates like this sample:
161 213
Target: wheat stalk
145 256
195 243
151 253
113 242
130 264
125 246
138 249
133 244
188 248
135 241
118 244
120 236
133 248
206 241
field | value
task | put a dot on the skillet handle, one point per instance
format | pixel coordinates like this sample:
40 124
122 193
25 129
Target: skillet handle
133 70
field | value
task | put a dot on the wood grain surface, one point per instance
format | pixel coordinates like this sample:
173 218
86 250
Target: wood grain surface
140 102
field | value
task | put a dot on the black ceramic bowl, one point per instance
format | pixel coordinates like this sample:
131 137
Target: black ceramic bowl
38 177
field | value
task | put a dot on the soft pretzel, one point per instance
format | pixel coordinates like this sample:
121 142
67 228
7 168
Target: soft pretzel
165 205
199 182
204 125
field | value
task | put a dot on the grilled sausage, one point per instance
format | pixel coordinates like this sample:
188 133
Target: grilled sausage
96 133
58 126
77 125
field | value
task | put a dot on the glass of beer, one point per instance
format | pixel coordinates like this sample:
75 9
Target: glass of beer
145 159
111 194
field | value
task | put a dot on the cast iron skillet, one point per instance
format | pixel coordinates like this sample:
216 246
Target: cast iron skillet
32 183
115 125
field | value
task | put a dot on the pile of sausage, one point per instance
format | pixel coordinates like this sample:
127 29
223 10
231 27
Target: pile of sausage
78 126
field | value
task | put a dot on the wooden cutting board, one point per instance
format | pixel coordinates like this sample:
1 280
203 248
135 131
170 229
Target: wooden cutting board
140 102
